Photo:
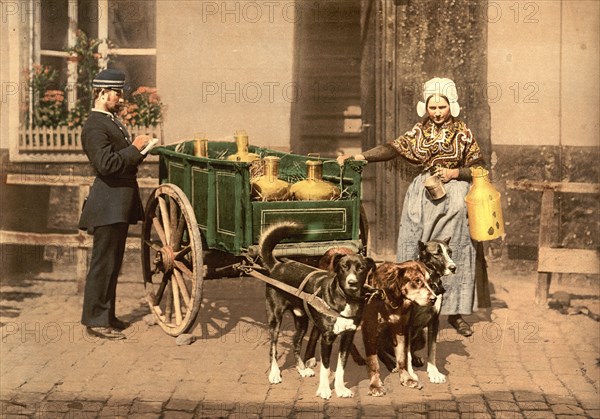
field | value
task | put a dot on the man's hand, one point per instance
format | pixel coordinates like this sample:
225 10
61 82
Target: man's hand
141 141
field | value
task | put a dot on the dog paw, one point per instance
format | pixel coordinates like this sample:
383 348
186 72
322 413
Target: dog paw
275 377
311 363
413 375
324 392
344 392
438 378
377 391
410 383
434 375
306 372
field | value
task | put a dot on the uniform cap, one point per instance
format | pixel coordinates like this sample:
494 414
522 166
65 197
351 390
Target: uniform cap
109 79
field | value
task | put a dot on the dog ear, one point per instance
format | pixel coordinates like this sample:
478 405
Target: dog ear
403 274
394 280
371 266
447 241
336 259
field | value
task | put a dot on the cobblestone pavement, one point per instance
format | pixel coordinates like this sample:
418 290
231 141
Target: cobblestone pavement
522 361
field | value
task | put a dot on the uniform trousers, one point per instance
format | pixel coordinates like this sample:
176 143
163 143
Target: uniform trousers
101 282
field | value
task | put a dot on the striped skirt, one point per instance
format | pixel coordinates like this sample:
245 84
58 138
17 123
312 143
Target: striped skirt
424 219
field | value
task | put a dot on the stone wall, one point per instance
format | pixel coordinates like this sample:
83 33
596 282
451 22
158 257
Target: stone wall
45 209
576 215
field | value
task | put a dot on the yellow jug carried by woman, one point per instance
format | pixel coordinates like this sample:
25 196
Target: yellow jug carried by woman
484 208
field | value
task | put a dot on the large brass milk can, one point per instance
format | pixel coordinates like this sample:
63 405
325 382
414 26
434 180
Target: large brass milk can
241 141
484 207
314 188
269 187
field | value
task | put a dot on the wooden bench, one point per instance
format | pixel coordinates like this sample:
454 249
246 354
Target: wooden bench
552 259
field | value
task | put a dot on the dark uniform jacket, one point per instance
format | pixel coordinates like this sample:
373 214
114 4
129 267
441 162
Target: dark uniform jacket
114 197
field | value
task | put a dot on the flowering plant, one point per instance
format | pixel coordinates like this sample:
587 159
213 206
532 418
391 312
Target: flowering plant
77 115
52 109
85 52
144 109
49 107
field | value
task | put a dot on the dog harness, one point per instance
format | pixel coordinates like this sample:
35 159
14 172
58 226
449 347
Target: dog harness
312 299
331 312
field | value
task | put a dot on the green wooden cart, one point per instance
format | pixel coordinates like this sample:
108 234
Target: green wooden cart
202 216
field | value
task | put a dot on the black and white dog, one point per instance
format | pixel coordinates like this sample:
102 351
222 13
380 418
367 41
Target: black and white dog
437 256
341 289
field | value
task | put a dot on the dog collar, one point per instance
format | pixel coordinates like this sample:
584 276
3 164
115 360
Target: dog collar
331 312
382 295
388 301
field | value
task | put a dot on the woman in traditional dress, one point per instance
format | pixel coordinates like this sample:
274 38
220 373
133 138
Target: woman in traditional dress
445 147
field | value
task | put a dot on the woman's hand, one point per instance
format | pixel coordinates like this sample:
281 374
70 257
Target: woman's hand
342 158
445 174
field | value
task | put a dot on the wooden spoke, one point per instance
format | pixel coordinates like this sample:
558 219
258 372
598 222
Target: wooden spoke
168 304
172 218
182 287
152 245
178 235
166 222
159 230
183 252
161 290
184 269
176 303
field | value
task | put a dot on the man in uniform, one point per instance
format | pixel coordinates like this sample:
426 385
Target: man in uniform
113 203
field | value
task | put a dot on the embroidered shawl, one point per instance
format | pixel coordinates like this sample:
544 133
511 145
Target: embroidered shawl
452 145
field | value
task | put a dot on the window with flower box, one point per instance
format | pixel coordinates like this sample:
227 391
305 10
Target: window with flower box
71 40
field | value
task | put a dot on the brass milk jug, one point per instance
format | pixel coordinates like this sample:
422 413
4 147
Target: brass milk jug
201 146
269 187
484 208
314 188
241 141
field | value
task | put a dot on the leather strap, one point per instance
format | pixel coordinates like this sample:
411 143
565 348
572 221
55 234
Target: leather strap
316 302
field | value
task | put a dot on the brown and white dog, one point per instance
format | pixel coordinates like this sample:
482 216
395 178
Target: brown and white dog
403 285
437 257
341 289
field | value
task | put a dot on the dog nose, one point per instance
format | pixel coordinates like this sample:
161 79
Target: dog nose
452 268
433 299
352 279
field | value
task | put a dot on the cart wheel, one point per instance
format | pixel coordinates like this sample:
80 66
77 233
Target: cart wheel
172 259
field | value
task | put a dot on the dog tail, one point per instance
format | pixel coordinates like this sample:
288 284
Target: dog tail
272 236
